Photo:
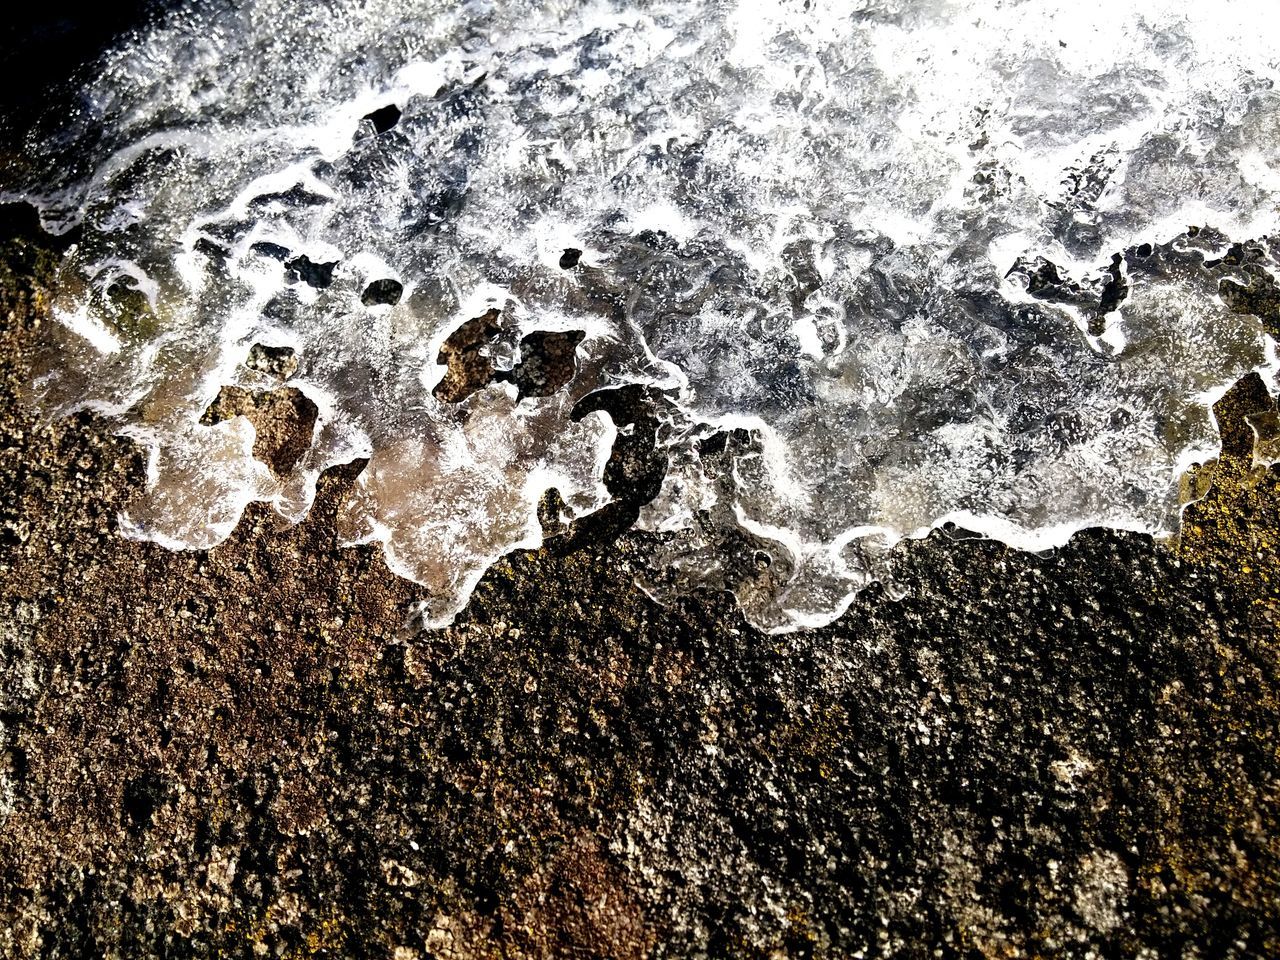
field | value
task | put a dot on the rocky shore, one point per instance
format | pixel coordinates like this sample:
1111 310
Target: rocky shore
246 752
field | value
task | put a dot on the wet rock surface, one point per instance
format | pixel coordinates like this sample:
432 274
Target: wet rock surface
384 292
244 752
283 419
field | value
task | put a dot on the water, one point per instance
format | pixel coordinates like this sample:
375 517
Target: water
889 265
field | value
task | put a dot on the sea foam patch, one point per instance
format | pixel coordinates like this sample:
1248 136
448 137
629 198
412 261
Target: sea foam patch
888 264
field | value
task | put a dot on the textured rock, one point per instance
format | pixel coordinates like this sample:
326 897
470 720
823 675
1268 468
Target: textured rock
246 752
284 420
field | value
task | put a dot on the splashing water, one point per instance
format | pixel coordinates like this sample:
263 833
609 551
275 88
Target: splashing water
888 264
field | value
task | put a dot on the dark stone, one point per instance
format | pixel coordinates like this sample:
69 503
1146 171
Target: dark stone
385 291
281 362
384 118
240 750
284 420
569 259
1114 292
547 362
272 250
295 196
465 354
22 219
318 275
636 468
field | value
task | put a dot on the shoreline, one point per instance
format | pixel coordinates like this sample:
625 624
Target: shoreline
243 752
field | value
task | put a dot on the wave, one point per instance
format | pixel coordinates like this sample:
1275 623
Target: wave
879 266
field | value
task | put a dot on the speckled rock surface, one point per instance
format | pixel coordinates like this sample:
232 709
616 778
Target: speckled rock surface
245 752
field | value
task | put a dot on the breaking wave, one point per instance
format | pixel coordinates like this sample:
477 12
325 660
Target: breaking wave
877 265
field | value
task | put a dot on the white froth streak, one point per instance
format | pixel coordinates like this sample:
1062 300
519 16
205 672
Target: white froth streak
83 324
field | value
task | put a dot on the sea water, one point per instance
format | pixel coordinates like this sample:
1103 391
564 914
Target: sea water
885 265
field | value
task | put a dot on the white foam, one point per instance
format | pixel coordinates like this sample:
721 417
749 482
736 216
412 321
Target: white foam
713 163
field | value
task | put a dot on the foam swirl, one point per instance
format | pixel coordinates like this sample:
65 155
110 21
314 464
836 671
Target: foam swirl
889 264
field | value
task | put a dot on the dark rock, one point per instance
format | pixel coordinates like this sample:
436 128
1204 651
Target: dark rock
385 291
466 355
1114 292
547 362
273 250
295 196
306 270
279 362
284 420
244 751
636 468
384 118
